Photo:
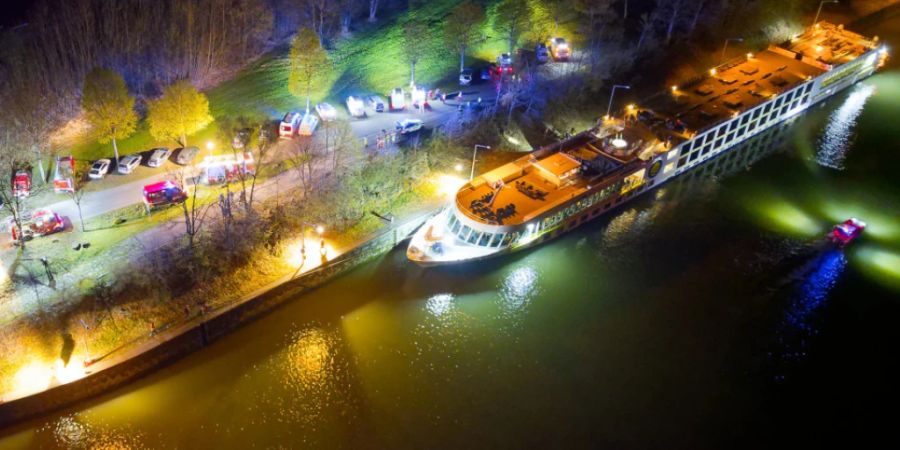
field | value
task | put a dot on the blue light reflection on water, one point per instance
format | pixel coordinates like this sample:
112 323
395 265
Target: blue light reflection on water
802 319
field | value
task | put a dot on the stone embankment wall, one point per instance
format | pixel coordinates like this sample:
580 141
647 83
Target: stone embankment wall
183 340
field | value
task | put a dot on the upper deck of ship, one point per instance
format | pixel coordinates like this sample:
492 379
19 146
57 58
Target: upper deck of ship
519 191
742 83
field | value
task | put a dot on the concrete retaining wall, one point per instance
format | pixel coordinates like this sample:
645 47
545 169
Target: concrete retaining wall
188 338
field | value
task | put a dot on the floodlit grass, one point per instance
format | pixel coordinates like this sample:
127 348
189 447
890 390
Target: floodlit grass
371 61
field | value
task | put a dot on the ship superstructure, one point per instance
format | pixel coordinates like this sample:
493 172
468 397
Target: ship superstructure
559 187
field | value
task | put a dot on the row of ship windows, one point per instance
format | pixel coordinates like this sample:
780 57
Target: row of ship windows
580 205
480 238
717 140
468 234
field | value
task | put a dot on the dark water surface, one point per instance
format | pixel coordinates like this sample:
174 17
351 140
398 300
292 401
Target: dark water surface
707 314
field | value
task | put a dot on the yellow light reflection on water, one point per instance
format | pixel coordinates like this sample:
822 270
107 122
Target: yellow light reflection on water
881 265
781 216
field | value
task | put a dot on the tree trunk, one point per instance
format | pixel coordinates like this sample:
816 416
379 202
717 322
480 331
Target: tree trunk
116 151
462 59
625 13
373 9
672 21
412 74
40 164
80 216
696 17
183 140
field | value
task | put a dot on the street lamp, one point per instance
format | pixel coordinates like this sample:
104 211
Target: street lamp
725 47
458 167
475 152
819 11
210 145
613 94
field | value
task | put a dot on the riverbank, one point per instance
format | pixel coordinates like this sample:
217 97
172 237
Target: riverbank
164 345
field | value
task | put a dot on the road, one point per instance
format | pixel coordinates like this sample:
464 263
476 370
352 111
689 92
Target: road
96 203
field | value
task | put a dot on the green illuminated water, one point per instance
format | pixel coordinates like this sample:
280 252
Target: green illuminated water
707 314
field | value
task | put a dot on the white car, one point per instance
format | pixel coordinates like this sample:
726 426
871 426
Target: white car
99 169
326 112
376 103
289 124
308 125
398 99
128 163
158 156
407 126
559 48
356 107
504 60
465 77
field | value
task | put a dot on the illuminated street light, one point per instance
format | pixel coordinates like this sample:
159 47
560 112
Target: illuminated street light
725 47
819 11
458 167
474 152
613 94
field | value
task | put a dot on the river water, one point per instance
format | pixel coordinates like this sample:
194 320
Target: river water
707 314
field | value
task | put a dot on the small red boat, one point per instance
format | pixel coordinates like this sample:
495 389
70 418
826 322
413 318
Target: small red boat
850 229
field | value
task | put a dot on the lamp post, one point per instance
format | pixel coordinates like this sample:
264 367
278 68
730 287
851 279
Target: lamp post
475 152
819 11
613 94
725 47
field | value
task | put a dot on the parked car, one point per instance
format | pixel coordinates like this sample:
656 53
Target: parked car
407 126
158 156
504 60
356 107
162 193
541 53
326 111
290 124
128 163
186 155
465 77
99 169
376 103
488 72
64 174
559 48
308 124
40 223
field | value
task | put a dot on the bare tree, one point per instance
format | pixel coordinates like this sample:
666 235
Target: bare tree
303 156
195 211
12 154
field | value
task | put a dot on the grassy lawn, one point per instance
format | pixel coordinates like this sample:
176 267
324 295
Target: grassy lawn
370 61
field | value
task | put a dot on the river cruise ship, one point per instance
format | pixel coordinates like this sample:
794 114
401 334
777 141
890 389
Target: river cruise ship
557 188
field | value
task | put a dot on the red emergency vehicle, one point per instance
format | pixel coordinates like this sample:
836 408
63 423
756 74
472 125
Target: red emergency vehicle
163 193
40 223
